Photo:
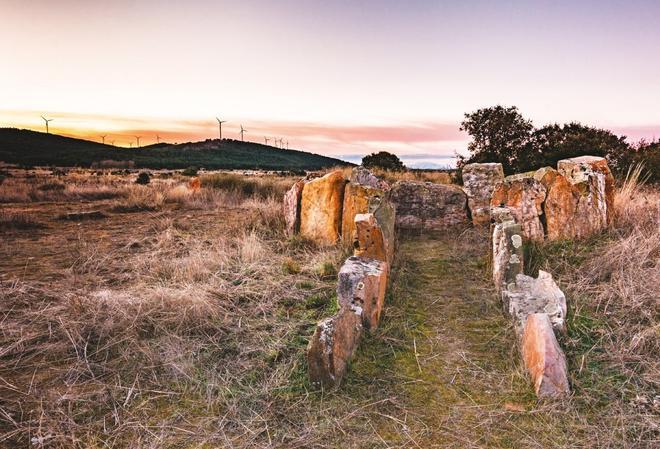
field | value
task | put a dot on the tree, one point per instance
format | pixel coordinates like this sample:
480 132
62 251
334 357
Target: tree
499 134
384 160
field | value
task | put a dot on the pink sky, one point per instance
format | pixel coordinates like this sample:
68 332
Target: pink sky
339 78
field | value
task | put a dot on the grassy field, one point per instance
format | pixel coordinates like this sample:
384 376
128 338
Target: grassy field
178 318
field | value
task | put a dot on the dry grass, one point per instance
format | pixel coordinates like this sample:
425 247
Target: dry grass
17 220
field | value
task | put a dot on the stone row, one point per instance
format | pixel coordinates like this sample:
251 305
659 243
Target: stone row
536 305
573 201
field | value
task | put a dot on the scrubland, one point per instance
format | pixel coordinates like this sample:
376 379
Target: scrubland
178 317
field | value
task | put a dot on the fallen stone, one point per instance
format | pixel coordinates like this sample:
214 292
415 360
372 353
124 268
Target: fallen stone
321 208
362 284
363 176
508 260
428 206
524 195
479 181
594 185
543 358
332 346
292 200
541 295
358 199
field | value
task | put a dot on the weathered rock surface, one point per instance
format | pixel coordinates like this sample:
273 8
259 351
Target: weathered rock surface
358 199
292 200
524 195
321 208
428 206
362 284
544 359
594 189
479 181
529 296
507 251
370 242
363 176
332 346
560 204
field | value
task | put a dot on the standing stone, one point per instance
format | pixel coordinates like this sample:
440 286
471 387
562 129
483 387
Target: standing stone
507 252
362 175
524 195
560 205
362 284
370 241
428 206
358 199
543 358
292 199
321 208
479 181
332 346
541 295
593 180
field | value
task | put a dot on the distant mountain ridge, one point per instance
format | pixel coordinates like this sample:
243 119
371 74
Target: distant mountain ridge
26 147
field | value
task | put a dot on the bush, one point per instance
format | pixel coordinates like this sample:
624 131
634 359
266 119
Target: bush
143 178
244 186
190 171
383 160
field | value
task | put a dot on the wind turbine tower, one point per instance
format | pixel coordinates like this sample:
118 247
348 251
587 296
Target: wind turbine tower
47 120
266 139
103 138
220 122
243 130
138 140
157 138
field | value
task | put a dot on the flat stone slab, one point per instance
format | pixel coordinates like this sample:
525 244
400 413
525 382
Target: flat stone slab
362 284
428 206
479 181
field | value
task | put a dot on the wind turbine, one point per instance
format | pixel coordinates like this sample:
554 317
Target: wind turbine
287 144
130 144
157 138
281 142
112 143
103 138
138 140
243 131
47 120
220 122
266 139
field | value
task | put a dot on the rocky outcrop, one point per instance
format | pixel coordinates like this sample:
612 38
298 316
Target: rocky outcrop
479 181
363 176
543 358
428 206
528 296
524 195
332 346
321 208
292 199
362 284
594 191
358 199
507 252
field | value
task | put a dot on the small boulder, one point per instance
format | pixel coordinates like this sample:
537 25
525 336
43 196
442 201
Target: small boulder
428 206
479 181
507 251
332 346
363 176
543 357
321 208
292 199
541 295
362 284
524 195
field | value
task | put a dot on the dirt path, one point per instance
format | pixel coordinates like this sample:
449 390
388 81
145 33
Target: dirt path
447 355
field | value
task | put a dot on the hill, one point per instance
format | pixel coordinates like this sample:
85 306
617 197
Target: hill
20 146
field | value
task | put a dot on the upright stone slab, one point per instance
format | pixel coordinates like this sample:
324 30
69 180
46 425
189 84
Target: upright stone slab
543 358
292 199
363 176
524 195
428 206
541 295
362 284
507 253
560 205
321 208
479 181
593 180
358 199
332 346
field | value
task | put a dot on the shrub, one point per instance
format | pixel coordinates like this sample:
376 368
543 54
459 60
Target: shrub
244 186
143 178
384 160
190 171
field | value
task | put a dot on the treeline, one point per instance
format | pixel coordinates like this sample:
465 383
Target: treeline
502 134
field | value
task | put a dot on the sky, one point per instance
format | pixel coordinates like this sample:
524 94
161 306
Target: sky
337 77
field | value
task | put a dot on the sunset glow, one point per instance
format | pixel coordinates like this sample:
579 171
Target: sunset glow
341 78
